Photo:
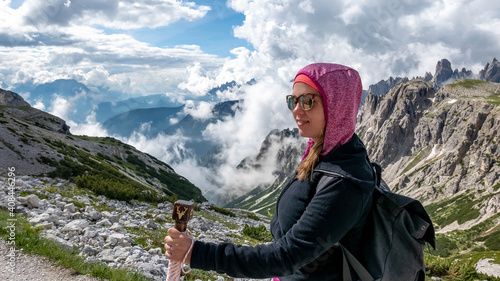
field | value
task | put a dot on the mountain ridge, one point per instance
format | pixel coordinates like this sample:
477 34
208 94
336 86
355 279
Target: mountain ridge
39 144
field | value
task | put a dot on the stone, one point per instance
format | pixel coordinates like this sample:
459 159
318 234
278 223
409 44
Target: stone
116 227
40 218
61 242
90 251
76 225
33 200
70 208
162 218
45 225
92 214
149 223
104 222
89 232
155 251
111 217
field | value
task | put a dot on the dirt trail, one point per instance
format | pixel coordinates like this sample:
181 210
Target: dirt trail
30 267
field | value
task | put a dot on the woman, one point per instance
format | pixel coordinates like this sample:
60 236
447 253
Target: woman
326 202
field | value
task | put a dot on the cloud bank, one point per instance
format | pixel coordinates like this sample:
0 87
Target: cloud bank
91 41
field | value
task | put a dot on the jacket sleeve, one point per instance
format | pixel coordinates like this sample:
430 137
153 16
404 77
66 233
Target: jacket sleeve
331 213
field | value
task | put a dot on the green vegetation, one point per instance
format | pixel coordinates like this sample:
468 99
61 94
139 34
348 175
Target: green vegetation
460 209
461 268
421 154
119 190
493 241
197 274
148 238
467 83
93 173
103 140
259 233
252 216
214 218
27 238
18 107
494 99
222 211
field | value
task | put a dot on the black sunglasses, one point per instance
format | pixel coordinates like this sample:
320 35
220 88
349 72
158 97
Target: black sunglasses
306 101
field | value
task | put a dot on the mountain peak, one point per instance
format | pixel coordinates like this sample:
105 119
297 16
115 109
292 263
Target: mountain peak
444 74
11 99
491 71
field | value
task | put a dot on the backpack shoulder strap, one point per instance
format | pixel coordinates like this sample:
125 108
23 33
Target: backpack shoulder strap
363 274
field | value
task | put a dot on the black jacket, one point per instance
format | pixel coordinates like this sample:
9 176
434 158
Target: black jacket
306 225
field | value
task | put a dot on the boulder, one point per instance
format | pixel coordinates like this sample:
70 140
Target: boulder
33 200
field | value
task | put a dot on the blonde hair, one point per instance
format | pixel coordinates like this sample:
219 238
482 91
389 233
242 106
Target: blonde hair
306 167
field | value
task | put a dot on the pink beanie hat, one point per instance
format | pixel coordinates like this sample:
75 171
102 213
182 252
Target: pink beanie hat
341 89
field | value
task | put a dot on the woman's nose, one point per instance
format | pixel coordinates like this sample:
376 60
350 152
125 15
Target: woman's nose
297 108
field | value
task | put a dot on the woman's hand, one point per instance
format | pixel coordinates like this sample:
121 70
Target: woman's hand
177 245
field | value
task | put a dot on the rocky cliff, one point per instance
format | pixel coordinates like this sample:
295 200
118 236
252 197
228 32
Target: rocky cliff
11 99
285 149
491 71
444 74
439 147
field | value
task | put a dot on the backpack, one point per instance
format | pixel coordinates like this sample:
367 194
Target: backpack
393 240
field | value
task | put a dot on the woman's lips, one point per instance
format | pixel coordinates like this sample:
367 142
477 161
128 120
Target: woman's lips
301 122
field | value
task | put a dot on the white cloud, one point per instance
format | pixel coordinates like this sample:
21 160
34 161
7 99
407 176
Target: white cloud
60 107
198 82
59 42
39 105
264 109
90 128
124 14
200 110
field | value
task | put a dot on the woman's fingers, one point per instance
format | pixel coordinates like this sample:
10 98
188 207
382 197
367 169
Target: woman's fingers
174 233
176 244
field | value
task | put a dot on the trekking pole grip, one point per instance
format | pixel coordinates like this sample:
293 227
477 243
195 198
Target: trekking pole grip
182 213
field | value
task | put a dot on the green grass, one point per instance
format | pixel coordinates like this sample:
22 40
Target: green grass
494 99
148 238
424 152
468 83
222 211
27 238
458 268
458 209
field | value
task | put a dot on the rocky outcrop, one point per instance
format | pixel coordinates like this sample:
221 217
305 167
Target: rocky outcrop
383 86
436 146
491 72
279 146
396 114
11 99
444 74
283 148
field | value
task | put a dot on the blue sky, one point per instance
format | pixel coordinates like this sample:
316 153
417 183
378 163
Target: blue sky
213 33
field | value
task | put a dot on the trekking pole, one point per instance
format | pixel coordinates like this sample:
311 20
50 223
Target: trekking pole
181 214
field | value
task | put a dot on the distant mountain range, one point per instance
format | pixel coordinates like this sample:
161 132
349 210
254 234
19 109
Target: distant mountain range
79 101
37 143
443 74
